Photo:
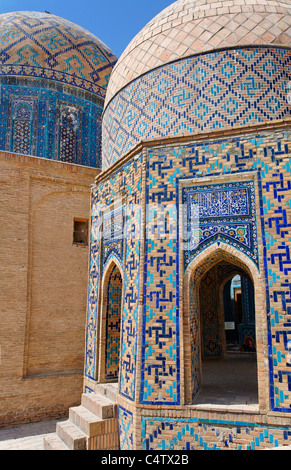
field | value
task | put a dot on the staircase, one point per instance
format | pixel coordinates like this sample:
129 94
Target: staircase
93 425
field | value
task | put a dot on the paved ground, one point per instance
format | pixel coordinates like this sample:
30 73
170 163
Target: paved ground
230 381
27 436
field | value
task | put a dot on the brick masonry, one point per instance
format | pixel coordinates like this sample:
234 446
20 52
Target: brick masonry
43 287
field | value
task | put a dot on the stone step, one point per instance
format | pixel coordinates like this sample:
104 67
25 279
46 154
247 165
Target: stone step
54 442
71 435
98 404
109 390
87 421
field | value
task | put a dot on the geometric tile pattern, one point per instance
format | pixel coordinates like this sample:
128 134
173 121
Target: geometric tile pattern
204 434
45 46
125 420
213 91
186 28
127 180
113 319
222 212
132 280
267 156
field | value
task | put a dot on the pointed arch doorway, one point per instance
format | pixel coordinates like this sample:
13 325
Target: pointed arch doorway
111 324
222 349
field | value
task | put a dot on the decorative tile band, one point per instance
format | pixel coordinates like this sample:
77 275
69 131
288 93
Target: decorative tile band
212 91
206 434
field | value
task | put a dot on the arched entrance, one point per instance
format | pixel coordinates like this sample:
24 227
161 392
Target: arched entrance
111 325
227 309
228 340
223 292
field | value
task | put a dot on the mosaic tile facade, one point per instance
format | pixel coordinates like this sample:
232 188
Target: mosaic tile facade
222 89
37 118
267 156
45 46
204 434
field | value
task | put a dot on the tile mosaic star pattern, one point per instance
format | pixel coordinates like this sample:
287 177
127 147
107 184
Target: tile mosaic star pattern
208 92
190 27
42 45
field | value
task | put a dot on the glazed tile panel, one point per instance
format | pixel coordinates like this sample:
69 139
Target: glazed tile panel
38 118
207 92
226 212
128 179
267 156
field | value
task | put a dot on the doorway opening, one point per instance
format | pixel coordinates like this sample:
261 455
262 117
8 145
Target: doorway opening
111 325
239 315
223 331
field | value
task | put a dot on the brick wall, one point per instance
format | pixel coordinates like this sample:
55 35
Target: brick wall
43 286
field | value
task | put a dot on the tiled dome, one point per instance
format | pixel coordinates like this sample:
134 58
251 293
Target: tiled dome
189 27
45 46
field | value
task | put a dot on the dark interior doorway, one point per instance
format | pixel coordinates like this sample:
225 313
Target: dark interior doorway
228 339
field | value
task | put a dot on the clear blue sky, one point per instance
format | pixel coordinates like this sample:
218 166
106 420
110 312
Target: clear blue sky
115 22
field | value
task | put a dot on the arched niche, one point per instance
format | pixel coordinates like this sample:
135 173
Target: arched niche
110 322
202 270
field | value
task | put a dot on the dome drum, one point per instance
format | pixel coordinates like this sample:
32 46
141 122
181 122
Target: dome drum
199 66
